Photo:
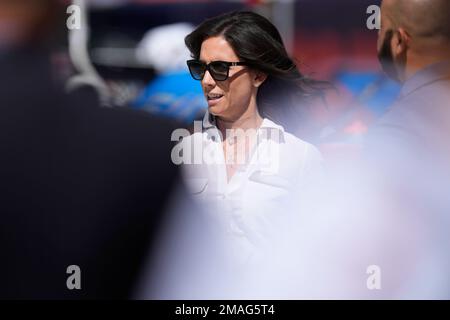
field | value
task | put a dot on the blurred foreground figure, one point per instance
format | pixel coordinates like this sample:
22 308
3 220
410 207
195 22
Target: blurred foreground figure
79 185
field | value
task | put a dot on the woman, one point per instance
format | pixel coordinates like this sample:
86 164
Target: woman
249 163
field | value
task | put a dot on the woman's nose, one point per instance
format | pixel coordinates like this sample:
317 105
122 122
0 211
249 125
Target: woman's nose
208 81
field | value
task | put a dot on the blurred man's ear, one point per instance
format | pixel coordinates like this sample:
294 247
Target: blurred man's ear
401 45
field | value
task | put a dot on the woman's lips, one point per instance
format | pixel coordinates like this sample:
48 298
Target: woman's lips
214 101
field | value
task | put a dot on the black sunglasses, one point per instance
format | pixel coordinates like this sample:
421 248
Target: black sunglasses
219 70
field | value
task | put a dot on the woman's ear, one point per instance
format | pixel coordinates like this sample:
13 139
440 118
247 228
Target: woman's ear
259 78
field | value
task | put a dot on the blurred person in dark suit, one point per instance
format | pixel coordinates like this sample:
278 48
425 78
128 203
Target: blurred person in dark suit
410 142
79 184
408 148
414 49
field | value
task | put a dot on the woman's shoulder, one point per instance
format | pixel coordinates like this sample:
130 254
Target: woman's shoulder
300 149
292 146
293 140
291 143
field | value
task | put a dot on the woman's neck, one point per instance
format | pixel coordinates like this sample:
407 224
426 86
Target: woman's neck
248 120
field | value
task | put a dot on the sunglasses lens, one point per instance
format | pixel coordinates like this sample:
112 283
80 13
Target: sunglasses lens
219 70
197 69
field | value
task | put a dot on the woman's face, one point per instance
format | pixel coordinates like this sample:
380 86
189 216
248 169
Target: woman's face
231 98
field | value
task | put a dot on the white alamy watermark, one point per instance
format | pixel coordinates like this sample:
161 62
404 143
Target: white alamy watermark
374 20
241 147
73 22
73 282
374 280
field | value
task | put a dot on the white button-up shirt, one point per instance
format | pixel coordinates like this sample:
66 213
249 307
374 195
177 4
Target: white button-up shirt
279 165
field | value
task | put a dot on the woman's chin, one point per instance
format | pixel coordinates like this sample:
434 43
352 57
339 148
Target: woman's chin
215 110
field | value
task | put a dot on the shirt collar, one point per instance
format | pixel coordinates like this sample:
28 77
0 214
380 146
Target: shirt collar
432 73
269 124
209 121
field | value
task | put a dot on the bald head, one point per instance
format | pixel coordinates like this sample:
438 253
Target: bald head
420 18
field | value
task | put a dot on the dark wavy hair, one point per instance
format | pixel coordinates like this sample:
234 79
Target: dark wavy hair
285 94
